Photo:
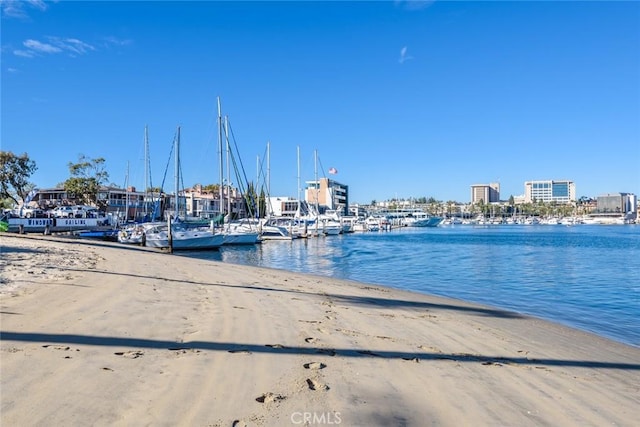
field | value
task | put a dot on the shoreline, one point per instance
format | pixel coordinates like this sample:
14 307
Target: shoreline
132 338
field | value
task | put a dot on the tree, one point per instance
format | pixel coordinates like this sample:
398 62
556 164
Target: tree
86 178
15 172
262 204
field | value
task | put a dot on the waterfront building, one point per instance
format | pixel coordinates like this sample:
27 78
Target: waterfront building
487 193
200 203
621 204
328 195
285 206
563 192
112 200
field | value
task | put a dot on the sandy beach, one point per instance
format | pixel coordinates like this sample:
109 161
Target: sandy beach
101 334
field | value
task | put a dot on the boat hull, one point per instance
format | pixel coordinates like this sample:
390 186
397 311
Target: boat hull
433 221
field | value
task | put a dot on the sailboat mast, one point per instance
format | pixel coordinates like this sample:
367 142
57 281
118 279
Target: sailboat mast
315 172
177 169
317 184
269 208
126 201
226 135
298 158
220 156
146 168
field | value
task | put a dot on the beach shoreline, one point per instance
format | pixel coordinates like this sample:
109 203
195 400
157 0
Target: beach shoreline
104 334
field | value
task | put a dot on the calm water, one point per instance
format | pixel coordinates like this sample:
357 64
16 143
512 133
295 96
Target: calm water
587 277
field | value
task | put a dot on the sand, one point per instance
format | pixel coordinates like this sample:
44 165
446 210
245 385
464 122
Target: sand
101 334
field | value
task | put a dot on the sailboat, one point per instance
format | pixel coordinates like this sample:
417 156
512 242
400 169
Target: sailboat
271 227
182 235
236 232
134 233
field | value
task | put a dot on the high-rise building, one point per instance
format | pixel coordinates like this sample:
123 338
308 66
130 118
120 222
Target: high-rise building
486 193
549 191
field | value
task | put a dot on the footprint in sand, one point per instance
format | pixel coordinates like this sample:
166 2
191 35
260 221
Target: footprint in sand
239 423
130 354
270 398
180 351
315 385
58 347
310 340
314 365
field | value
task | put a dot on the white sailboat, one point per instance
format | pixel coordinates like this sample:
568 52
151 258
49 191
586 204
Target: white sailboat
135 233
182 236
271 227
235 232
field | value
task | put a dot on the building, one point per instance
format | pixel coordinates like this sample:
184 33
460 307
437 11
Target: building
328 195
285 206
485 193
563 192
113 200
622 204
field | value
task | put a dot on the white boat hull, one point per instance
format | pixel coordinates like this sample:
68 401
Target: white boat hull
183 239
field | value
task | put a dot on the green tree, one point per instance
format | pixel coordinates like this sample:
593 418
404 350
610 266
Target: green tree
251 200
262 204
15 172
86 178
451 204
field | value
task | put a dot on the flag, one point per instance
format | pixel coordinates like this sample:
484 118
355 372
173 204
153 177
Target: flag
30 196
333 171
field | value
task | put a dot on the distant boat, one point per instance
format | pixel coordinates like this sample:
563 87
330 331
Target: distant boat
111 234
240 232
430 221
270 230
134 234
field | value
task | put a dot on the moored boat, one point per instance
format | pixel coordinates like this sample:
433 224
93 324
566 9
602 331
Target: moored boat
431 221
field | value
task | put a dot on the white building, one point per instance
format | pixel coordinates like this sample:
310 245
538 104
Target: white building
563 192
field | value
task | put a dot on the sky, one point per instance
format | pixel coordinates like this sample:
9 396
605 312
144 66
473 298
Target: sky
404 99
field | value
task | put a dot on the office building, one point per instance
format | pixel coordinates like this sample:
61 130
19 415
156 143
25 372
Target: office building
562 192
485 193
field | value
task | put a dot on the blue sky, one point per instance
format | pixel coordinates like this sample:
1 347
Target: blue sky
404 99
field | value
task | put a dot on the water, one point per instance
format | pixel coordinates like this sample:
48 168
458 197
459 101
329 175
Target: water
587 277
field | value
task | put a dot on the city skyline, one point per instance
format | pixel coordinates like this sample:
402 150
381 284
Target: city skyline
403 100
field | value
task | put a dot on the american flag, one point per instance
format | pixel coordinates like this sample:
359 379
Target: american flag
333 171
